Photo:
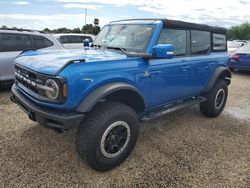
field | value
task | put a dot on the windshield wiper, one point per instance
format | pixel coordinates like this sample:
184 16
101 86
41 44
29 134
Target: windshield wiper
130 54
97 45
117 48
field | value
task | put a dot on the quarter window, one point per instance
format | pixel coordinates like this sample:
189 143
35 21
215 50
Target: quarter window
219 42
14 42
42 42
200 42
177 38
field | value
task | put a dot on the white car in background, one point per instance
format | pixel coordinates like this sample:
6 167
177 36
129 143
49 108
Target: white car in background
234 45
15 41
73 40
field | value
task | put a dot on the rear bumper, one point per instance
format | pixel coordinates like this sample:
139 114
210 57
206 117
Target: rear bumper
44 116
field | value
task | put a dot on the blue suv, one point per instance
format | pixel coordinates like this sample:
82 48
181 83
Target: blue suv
135 70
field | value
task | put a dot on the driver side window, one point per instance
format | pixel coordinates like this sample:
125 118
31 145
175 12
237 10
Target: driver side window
177 38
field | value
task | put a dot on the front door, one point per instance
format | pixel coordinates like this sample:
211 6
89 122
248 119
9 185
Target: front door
171 78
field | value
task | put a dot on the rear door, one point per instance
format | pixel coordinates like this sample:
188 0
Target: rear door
11 45
200 60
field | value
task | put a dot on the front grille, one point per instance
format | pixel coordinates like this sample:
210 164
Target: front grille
28 79
33 83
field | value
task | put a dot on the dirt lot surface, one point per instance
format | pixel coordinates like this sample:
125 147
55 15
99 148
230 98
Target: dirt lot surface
182 149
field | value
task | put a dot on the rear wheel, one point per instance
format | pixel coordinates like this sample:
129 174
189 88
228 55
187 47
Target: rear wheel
107 136
216 99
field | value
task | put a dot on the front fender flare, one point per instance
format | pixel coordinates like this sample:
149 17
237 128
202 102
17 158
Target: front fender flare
95 96
220 71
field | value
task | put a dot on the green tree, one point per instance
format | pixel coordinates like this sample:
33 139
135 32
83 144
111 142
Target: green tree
96 21
4 27
90 29
241 32
96 30
87 29
76 30
47 30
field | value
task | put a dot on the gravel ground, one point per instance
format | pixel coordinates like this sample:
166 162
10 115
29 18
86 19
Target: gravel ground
182 149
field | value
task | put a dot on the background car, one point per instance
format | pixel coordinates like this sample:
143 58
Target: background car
73 40
234 45
240 60
14 41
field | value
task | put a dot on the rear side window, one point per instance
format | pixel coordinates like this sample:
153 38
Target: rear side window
74 39
65 39
200 42
41 42
219 42
177 38
14 42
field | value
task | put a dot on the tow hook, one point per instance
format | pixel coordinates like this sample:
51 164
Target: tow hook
12 98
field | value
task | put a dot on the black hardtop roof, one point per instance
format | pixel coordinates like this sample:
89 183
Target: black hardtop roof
189 25
184 25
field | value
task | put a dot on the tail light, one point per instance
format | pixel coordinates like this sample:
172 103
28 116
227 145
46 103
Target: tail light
235 56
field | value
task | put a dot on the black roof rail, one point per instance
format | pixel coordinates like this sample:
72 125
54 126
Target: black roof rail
181 24
29 30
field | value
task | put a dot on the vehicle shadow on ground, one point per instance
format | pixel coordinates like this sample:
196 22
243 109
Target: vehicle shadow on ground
5 88
5 94
170 150
242 72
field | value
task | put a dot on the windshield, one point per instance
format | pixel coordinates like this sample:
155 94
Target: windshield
131 38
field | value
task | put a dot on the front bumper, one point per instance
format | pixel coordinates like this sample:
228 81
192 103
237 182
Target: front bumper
44 116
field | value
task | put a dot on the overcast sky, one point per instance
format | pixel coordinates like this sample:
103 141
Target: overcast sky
39 14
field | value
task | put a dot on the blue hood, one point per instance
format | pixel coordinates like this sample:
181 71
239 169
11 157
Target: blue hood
51 62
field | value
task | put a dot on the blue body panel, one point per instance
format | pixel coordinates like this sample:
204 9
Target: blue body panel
170 80
51 62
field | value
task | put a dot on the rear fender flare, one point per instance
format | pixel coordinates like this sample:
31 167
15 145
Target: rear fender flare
220 71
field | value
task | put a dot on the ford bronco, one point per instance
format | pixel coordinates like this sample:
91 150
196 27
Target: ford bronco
135 70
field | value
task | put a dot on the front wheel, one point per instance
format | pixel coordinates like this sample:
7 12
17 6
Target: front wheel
216 99
107 136
232 69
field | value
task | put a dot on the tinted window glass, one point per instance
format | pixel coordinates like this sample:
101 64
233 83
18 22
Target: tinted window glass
74 39
42 42
176 38
132 37
219 42
14 42
200 42
65 39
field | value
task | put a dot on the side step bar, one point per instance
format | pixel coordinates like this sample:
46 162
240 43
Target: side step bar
172 107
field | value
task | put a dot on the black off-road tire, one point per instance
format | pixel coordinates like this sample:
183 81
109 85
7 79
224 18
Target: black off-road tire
232 69
210 107
92 131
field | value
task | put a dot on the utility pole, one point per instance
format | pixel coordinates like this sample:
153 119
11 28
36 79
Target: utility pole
85 16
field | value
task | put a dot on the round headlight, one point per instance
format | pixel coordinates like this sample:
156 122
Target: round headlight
52 90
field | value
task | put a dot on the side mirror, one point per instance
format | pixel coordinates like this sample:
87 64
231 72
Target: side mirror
163 51
86 43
